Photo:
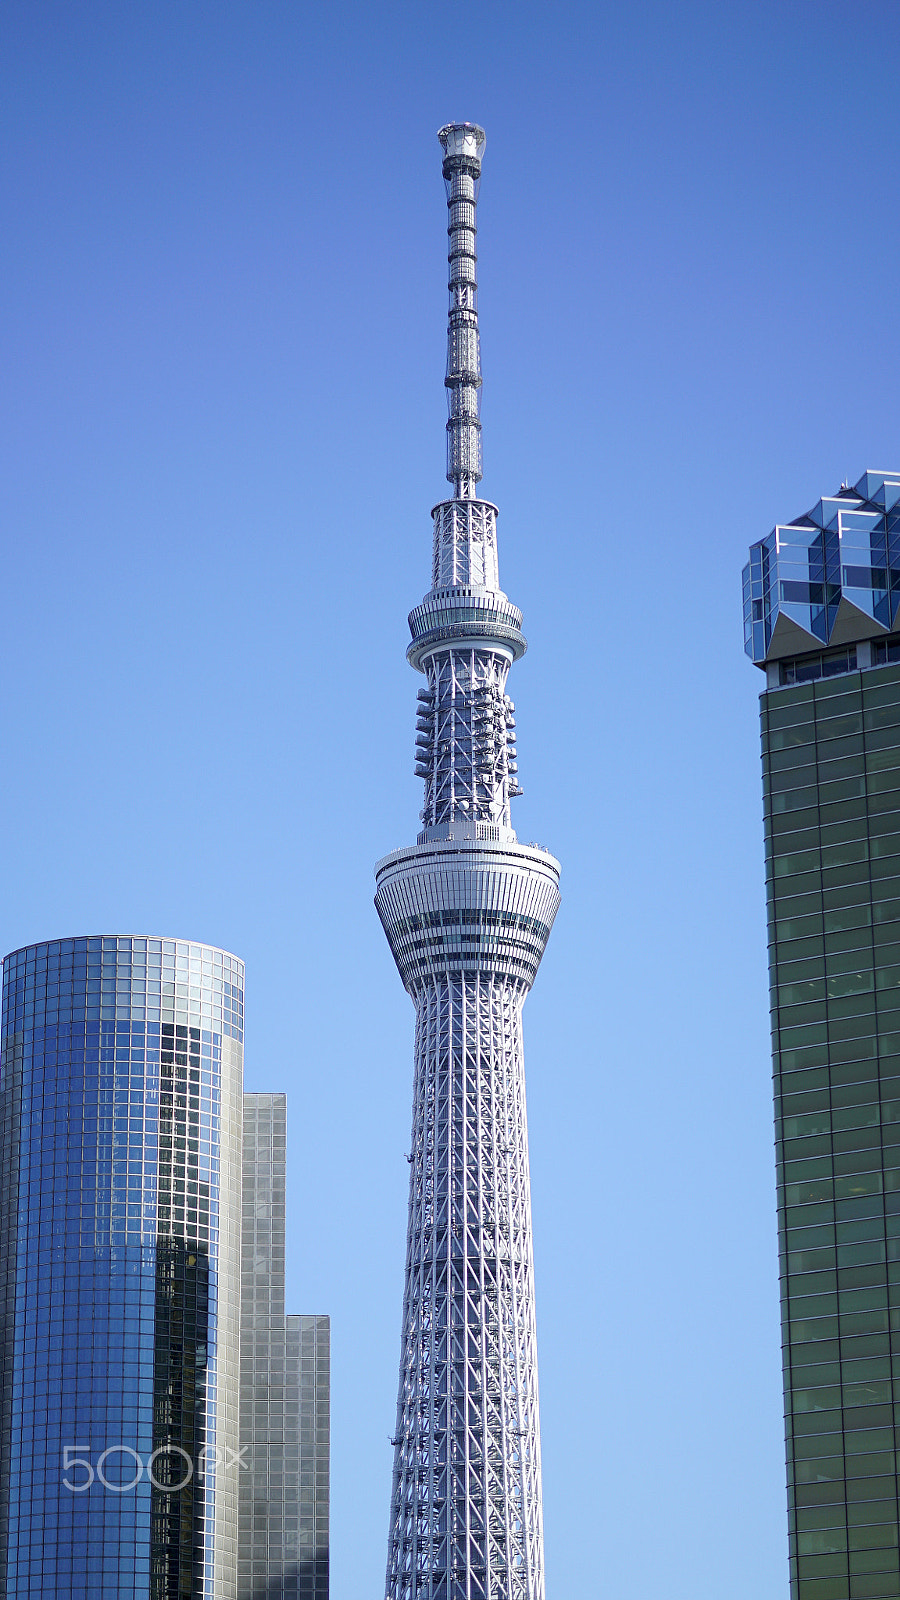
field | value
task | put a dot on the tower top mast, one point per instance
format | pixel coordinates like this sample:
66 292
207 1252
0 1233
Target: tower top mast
463 146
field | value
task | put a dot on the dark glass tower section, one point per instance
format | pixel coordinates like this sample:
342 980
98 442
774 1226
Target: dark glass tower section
822 618
283 1548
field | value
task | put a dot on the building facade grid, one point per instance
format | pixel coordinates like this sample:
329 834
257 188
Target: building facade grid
120 1252
820 600
285 1409
124 1184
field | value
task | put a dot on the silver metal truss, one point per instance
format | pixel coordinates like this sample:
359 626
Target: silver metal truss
463 147
467 911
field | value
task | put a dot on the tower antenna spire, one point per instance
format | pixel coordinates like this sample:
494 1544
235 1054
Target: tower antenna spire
463 146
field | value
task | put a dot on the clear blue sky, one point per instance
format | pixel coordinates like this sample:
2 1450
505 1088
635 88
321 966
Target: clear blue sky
223 428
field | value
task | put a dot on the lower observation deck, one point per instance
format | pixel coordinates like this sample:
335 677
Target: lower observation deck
467 906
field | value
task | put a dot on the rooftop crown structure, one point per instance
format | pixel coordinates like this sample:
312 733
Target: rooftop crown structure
467 911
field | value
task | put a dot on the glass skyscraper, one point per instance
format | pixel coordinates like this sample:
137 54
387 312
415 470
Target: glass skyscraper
821 606
121 1456
284 1387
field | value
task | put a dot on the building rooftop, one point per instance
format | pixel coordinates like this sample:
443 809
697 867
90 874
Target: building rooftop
830 577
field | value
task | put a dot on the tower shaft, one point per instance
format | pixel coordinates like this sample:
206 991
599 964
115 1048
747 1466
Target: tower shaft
467 1420
467 912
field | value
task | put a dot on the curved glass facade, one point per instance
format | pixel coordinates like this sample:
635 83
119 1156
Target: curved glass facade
120 1194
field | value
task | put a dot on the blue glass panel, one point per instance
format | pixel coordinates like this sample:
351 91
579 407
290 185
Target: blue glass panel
105 1277
838 563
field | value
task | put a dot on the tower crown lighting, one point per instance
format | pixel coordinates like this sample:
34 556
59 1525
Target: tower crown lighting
467 911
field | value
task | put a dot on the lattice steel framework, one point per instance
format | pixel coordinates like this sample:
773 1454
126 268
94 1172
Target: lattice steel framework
467 912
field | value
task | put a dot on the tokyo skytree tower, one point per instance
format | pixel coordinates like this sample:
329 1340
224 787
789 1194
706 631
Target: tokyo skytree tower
467 911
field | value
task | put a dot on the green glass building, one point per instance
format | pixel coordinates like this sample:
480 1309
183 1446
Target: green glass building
822 618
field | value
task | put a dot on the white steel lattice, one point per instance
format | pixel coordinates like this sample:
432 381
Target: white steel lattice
466 1509
467 912
466 739
465 545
